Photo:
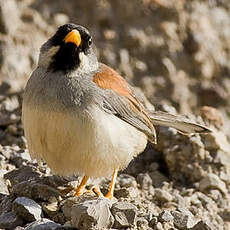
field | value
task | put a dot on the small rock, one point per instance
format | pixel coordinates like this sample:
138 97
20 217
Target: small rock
153 222
124 214
10 221
144 180
6 204
23 188
216 141
212 181
19 228
182 220
51 208
130 192
92 213
159 226
200 226
27 209
66 206
212 115
163 196
44 192
43 224
3 186
158 178
126 181
142 223
24 173
165 216
7 118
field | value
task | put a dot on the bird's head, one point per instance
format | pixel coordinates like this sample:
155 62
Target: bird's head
68 49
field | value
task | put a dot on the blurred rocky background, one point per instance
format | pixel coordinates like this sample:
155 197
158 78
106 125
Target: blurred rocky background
178 53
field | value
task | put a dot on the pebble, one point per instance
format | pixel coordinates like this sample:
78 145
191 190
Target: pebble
144 180
153 222
163 196
3 186
212 181
182 220
92 213
142 223
165 216
66 206
126 181
50 208
124 214
27 209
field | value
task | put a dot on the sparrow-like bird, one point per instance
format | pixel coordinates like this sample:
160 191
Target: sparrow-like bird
81 117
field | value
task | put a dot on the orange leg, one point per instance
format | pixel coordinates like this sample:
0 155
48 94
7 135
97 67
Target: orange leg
80 188
109 195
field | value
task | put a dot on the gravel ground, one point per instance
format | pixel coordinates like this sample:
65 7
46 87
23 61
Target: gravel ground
178 53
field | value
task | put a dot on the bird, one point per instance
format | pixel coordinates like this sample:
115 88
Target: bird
82 117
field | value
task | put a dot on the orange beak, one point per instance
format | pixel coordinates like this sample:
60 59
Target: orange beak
74 37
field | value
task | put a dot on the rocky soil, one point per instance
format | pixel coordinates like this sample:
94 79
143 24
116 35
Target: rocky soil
178 53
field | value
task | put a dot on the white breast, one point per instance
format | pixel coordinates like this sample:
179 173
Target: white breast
90 142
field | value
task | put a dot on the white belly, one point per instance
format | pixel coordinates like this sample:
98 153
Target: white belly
72 144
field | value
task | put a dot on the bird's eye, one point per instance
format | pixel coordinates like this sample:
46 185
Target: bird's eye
90 41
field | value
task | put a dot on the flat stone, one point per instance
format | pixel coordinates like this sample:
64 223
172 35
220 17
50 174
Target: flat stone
92 213
43 224
27 209
124 214
212 181
9 220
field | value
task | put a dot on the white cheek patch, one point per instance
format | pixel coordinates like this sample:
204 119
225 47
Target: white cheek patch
46 57
84 61
87 63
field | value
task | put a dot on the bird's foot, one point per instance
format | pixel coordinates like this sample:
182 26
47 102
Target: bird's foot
109 196
92 191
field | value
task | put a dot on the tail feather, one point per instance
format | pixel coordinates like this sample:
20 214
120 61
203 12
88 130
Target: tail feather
183 125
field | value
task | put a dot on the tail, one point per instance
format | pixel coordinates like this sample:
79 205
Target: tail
183 125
